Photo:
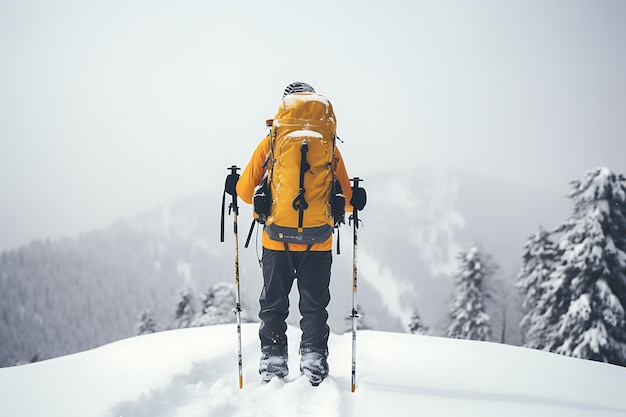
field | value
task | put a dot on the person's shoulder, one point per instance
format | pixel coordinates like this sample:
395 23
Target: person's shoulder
264 143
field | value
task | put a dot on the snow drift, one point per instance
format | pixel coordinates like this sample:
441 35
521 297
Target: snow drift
193 372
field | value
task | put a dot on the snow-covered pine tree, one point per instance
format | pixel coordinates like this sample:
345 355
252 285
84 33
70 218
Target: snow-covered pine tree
217 303
538 262
416 326
583 308
146 323
468 319
185 310
500 305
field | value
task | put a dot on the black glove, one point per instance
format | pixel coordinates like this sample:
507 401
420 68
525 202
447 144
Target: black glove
262 200
359 198
231 184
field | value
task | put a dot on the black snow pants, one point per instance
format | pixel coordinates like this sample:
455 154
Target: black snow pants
313 277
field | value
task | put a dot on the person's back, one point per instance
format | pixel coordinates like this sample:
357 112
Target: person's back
302 167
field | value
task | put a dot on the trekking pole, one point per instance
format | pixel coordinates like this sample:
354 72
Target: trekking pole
229 188
355 314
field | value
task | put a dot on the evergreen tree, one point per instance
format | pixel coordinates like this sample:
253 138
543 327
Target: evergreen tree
538 262
185 311
217 303
582 307
146 323
502 306
416 326
468 319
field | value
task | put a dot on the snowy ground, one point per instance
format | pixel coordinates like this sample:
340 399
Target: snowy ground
193 372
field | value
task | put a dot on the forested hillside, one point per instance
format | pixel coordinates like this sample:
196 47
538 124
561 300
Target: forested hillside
69 295
63 296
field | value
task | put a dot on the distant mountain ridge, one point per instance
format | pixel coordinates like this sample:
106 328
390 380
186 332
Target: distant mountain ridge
73 294
59 297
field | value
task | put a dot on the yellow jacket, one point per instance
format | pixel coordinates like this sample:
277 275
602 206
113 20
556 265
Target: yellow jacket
252 176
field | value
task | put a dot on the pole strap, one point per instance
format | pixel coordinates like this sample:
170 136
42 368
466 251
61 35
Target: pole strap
222 217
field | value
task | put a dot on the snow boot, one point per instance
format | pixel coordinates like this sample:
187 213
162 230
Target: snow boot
314 366
273 366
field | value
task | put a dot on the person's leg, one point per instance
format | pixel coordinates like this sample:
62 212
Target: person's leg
313 286
274 309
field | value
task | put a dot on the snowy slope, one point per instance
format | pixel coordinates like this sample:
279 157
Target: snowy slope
193 372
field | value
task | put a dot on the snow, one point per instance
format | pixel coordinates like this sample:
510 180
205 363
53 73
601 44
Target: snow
305 133
387 285
292 99
193 372
580 308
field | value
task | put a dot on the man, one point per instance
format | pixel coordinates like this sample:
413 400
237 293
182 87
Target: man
306 123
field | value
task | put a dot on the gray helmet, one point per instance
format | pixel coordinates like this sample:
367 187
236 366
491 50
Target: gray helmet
298 87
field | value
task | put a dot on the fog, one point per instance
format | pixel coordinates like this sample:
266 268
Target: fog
111 108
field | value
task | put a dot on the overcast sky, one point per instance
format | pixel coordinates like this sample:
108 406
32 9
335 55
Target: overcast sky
110 108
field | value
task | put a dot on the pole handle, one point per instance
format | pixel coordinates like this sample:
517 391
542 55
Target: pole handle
358 201
229 188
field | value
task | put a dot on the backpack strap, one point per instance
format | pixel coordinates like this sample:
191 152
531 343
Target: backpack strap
338 245
299 203
290 260
254 221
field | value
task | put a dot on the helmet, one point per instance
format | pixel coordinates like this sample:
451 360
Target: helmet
298 87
